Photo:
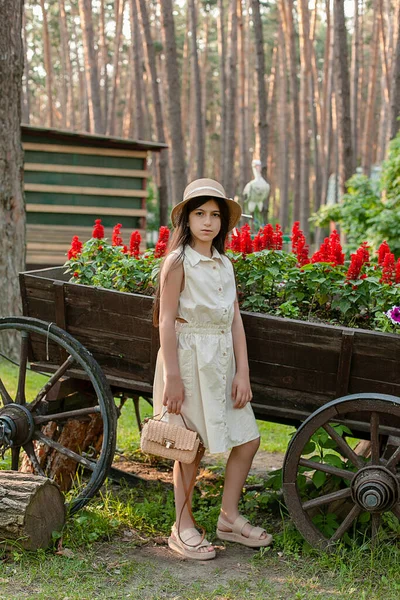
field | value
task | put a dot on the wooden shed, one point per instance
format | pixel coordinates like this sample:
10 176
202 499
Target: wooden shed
71 179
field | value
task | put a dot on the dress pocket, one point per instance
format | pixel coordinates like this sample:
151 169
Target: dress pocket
186 366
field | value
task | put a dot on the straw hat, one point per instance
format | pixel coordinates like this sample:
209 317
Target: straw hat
210 189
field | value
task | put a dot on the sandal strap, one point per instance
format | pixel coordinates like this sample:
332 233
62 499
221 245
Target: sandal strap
239 524
188 534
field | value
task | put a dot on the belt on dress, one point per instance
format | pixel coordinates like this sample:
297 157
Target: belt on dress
204 329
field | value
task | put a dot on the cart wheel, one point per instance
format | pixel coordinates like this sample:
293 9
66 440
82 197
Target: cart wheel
22 423
328 488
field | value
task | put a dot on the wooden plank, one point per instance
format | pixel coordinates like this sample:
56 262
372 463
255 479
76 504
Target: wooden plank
86 210
83 150
121 303
84 191
65 233
344 366
278 351
305 380
44 258
48 247
46 168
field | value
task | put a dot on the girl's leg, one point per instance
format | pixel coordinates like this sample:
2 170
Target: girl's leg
186 521
237 469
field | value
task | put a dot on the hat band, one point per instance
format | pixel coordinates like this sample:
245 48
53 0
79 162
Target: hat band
206 187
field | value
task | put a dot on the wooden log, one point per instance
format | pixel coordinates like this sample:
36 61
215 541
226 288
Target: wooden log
31 508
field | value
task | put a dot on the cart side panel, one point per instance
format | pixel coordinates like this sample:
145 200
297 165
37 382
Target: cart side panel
114 326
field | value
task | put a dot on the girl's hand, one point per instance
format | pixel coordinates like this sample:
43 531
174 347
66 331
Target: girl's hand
241 390
174 394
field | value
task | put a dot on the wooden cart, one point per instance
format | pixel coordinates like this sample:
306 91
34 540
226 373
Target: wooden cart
331 382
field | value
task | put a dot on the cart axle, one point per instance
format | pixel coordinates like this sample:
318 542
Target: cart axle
375 489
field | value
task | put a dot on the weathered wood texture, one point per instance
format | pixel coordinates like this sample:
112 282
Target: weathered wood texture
295 366
31 508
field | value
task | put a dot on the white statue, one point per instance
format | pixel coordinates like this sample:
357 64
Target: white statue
255 194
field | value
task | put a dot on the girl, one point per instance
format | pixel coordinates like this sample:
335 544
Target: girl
202 368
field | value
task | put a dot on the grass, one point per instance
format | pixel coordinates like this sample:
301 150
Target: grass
98 554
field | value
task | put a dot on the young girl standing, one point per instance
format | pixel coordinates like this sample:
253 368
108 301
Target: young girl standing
202 369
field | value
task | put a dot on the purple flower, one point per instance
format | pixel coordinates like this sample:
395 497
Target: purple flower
394 315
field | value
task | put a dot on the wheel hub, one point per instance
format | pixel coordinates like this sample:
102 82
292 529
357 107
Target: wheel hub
16 426
375 489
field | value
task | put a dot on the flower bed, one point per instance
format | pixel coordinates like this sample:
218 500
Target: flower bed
362 291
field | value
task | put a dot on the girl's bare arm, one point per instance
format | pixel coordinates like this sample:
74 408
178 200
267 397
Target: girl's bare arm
170 288
241 390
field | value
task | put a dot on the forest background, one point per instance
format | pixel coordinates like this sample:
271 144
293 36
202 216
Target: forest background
311 88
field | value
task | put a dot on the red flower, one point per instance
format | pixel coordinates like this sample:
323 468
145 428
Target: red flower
296 235
382 251
235 240
324 253
364 252
76 274
76 248
116 239
268 237
162 242
302 251
398 271
278 237
100 248
134 244
98 230
336 253
388 269
246 244
258 241
356 264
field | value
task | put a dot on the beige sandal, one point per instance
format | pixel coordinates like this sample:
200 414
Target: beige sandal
253 540
180 544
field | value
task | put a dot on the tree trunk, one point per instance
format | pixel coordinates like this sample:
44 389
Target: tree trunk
104 56
196 83
395 89
26 98
355 64
163 158
290 34
48 66
119 15
173 89
370 108
31 508
343 97
283 160
12 208
229 158
304 116
91 71
222 81
243 75
262 105
315 110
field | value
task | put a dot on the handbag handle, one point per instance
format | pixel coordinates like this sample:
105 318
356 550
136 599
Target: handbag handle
165 412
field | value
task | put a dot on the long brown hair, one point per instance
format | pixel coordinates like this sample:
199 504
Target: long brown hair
182 237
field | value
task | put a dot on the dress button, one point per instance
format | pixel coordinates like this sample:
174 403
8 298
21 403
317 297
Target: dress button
222 330
220 289
215 268
224 353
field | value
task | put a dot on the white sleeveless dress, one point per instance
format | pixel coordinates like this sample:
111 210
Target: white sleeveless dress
205 355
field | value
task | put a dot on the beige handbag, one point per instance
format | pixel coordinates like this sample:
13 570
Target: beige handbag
177 443
170 441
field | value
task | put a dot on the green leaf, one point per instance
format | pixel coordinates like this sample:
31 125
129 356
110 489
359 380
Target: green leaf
319 479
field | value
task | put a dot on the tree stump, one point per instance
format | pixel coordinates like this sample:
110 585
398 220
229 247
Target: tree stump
31 508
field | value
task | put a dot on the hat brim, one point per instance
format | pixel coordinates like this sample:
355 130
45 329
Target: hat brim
235 211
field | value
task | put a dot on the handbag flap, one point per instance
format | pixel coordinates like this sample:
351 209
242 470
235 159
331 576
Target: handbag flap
162 432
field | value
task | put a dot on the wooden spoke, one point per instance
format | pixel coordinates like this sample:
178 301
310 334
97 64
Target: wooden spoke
344 447
346 523
5 396
53 379
393 460
316 466
15 459
327 498
23 361
79 412
376 521
66 451
375 452
30 450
